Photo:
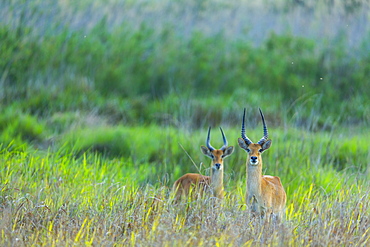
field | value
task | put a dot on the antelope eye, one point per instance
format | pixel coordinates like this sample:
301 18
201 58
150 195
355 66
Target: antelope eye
260 150
248 150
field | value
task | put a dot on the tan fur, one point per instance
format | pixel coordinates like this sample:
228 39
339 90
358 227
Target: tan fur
200 184
265 194
183 185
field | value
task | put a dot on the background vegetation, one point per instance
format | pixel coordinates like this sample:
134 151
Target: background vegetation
103 101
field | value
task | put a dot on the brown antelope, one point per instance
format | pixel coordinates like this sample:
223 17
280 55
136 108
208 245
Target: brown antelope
265 194
214 183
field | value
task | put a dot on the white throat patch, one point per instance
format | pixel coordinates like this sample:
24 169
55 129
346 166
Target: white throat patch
253 162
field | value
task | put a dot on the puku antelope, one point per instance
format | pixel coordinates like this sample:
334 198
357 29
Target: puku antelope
265 194
201 183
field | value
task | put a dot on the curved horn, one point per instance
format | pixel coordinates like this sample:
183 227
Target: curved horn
225 140
245 138
265 131
208 140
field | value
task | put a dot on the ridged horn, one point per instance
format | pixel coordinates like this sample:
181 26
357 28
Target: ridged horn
209 140
265 131
225 140
245 138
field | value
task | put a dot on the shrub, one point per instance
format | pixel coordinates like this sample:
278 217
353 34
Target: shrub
108 141
17 128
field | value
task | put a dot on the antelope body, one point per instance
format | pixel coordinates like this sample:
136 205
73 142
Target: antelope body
199 183
265 194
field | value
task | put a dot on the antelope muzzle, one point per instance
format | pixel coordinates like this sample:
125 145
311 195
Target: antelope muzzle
254 160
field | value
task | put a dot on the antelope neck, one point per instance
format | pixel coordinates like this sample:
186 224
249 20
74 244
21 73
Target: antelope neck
254 179
217 178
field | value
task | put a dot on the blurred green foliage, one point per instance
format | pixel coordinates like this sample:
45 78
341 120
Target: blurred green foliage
91 88
92 111
18 129
107 141
136 67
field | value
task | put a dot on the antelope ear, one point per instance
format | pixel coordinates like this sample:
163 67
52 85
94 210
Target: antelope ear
266 145
228 151
242 144
206 151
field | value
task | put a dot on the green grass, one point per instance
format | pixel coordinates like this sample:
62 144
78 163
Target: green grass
131 72
58 198
103 109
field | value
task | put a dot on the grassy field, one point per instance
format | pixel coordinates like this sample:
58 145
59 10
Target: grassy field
58 198
104 104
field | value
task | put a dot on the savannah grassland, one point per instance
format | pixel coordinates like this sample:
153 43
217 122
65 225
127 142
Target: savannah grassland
104 104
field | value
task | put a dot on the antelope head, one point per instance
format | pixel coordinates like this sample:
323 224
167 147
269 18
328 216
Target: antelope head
254 150
217 155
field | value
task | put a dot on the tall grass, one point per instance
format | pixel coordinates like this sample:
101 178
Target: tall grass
106 103
62 200
123 68
161 154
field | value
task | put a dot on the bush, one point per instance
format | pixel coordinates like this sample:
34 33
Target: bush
18 128
107 141
65 69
